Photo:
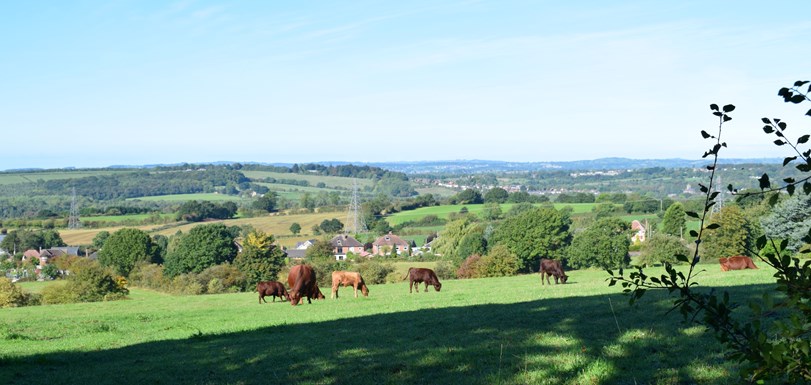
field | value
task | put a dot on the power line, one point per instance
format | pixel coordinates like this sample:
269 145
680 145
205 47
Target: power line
354 218
73 220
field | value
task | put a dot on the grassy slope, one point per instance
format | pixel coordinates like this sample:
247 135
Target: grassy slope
498 330
188 197
444 210
28 177
329 181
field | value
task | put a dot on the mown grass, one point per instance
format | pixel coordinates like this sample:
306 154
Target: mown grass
189 197
329 181
485 331
445 210
33 176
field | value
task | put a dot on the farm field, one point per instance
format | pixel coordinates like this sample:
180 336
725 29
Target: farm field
188 197
444 210
122 218
487 331
32 176
329 181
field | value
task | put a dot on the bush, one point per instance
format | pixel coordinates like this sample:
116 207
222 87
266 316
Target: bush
229 277
499 262
374 272
88 282
445 270
148 275
10 294
470 268
186 284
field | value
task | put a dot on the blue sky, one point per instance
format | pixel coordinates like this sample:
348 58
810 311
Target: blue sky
98 83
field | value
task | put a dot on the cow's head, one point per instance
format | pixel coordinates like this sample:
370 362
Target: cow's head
319 295
364 290
437 286
294 297
563 278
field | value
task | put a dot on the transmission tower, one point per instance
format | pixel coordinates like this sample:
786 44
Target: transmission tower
73 220
354 219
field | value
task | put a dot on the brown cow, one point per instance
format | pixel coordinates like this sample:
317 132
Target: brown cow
302 282
271 288
348 278
738 262
551 267
417 275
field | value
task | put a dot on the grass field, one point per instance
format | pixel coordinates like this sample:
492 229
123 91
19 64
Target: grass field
29 177
189 197
122 218
329 181
486 331
444 210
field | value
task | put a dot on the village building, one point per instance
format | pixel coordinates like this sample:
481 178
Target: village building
342 244
385 244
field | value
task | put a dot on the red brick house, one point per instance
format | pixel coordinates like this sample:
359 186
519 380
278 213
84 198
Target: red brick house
343 244
384 245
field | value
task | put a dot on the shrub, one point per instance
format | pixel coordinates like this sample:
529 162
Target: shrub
470 267
374 272
10 294
88 282
499 262
148 275
186 284
229 277
445 270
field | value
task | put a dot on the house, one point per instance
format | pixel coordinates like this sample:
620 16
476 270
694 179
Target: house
384 245
639 234
296 253
305 245
342 244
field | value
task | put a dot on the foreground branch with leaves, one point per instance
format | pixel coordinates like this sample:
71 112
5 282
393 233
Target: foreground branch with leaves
772 343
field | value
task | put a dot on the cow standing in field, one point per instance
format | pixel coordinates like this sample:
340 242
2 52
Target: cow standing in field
417 275
738 262
302 282
271 288
348 278
551 267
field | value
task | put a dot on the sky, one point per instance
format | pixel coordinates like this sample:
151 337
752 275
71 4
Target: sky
100 83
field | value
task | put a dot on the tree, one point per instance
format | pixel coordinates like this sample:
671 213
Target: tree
661 248
260 259
450 239
266 202
331 226
321 249
203 246
604 244
89 281
674 220
730 237
499 262
496 195
540 232
603 210
491 211
100 239
124 248
295 228
468 197
790 220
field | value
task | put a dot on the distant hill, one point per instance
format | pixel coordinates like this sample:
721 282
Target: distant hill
473 166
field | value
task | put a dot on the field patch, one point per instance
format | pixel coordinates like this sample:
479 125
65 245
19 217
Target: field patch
189 197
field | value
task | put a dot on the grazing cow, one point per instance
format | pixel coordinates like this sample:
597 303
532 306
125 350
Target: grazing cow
348 278
302 282
551 267
271 288
738 262
417 275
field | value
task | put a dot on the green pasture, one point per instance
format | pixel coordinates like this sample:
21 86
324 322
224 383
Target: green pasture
329 181
33 176
444 210
123 218
437 191
189 197
507 330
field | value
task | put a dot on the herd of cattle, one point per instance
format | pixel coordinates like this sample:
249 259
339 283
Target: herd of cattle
302 280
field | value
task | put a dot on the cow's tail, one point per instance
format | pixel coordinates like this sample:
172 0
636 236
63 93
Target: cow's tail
407 274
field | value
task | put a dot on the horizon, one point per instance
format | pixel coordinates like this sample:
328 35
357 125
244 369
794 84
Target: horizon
92 85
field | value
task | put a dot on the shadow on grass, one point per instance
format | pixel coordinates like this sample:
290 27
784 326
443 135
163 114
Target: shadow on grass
546 341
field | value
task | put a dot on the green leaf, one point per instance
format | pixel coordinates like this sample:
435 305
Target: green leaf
800 83
766 120
790 189
705 135
789 159
764 182
729 108
761 242
807 188
803 139
693 233
773 199
727 118
692 214
681 258
782 125
714 106
797 99
713 226
779 142
768 129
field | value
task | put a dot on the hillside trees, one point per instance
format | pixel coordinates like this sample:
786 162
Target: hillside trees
540 232
266 202
203 246
21 240
790 220
124 248
295 228
730 237
194 211
467 197
604 244
459 239
260 259
496 195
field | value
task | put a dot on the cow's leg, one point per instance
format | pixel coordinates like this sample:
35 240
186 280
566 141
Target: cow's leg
542 277
334 291
426 287
356 289
556 279
261 297
410 285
